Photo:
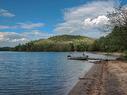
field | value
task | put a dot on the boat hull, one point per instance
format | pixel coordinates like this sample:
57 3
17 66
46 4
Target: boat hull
78 58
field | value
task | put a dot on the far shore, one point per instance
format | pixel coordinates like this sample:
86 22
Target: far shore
104 78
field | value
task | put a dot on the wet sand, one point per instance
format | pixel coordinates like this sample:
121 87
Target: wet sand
104 78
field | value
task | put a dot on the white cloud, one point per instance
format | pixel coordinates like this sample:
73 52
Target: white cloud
8 27
36 34
78 19
12 38
23 26
100 21
20 40
6 13
30 25
4 27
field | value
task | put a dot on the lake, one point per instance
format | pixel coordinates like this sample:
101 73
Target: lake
39 73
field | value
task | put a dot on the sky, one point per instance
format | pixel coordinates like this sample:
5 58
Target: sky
25 20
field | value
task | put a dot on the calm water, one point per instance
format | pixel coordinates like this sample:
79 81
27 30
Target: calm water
39 73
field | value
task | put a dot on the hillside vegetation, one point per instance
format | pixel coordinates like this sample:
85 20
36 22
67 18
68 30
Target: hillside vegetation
58 43
116 41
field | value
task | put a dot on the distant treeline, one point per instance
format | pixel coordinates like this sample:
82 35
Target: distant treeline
5 48
58 43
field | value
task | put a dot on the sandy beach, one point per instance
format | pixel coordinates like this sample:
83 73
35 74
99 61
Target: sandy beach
104 78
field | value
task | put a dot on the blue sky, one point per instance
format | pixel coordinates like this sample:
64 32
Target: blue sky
44 11
25 20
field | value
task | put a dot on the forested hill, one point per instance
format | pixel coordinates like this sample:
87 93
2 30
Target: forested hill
68 38
58 43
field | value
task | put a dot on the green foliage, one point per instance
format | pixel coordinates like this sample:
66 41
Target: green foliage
58 43
5 48
116 41
67 38
125 55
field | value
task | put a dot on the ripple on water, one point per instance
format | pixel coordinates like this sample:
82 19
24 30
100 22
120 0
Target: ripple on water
38 73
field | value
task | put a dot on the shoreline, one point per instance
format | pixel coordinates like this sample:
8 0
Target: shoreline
84 83
104 78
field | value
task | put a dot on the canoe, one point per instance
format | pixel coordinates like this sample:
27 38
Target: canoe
78 58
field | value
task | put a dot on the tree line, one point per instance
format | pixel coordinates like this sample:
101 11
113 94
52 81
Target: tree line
58 43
